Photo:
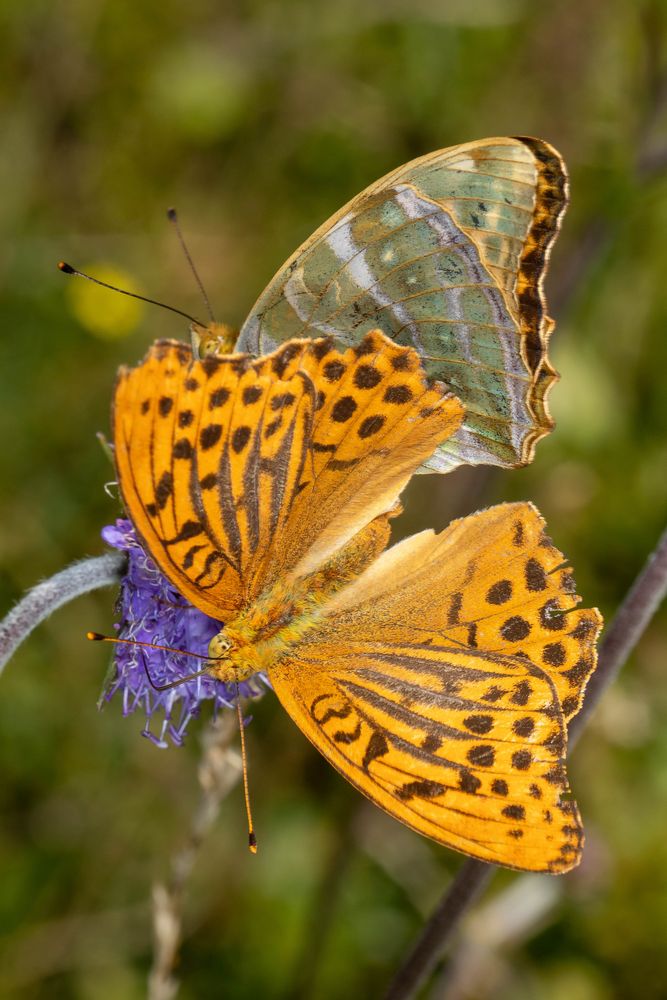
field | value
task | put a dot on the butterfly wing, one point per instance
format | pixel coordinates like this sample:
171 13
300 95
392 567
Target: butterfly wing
502 587
447 254
209 455
235 471
460 736
410 730
376 420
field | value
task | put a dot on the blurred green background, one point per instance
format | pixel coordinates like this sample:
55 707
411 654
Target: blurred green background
258 120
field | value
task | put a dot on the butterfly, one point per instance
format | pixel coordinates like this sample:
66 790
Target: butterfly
437 675
446 254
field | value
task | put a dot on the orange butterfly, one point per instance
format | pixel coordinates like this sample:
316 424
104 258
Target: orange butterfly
437 676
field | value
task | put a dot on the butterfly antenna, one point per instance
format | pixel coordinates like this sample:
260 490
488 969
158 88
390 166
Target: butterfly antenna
173 218
252 839
98 637
171 684
68 269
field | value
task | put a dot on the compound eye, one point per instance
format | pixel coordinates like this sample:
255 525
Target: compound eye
219 645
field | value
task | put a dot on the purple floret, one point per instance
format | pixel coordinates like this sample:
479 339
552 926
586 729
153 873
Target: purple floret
152 610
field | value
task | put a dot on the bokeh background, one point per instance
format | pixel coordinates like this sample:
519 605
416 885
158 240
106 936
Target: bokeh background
258 120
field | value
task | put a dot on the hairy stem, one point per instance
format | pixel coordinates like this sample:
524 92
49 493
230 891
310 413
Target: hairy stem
79 578
620 638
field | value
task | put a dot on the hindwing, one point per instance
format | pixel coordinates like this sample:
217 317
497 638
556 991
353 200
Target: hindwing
440 683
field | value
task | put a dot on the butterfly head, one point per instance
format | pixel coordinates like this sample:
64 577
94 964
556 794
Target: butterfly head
219 657
216 338
230 659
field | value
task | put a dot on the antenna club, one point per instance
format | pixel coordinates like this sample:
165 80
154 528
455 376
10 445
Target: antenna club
171 214
95 637
68 269
252 842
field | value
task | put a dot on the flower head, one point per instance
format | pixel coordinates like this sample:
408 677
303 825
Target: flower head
153 611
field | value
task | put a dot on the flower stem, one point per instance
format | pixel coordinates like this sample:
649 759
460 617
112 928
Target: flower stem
621 637
79 578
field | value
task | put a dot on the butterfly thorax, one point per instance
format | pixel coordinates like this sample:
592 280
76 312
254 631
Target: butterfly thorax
263 632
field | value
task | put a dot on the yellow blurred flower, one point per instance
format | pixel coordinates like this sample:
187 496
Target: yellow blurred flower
104 313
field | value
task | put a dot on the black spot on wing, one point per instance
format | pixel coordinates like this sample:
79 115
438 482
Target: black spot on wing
494 693
479 724
468 782
454 610
551 616
521 760
367 377
419 789
521 694
283 358
272 427
251 394
515 629
334 371
368 345
343 736
401 362
182 449
189 556
210 435
189 529
482 755
164 490
371 425
523 727
240 438
554 654
219 397
398 394
343 409
321 347
500 592
282 401
377 747
536 578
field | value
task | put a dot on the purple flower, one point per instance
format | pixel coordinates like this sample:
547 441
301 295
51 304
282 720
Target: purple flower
152 610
